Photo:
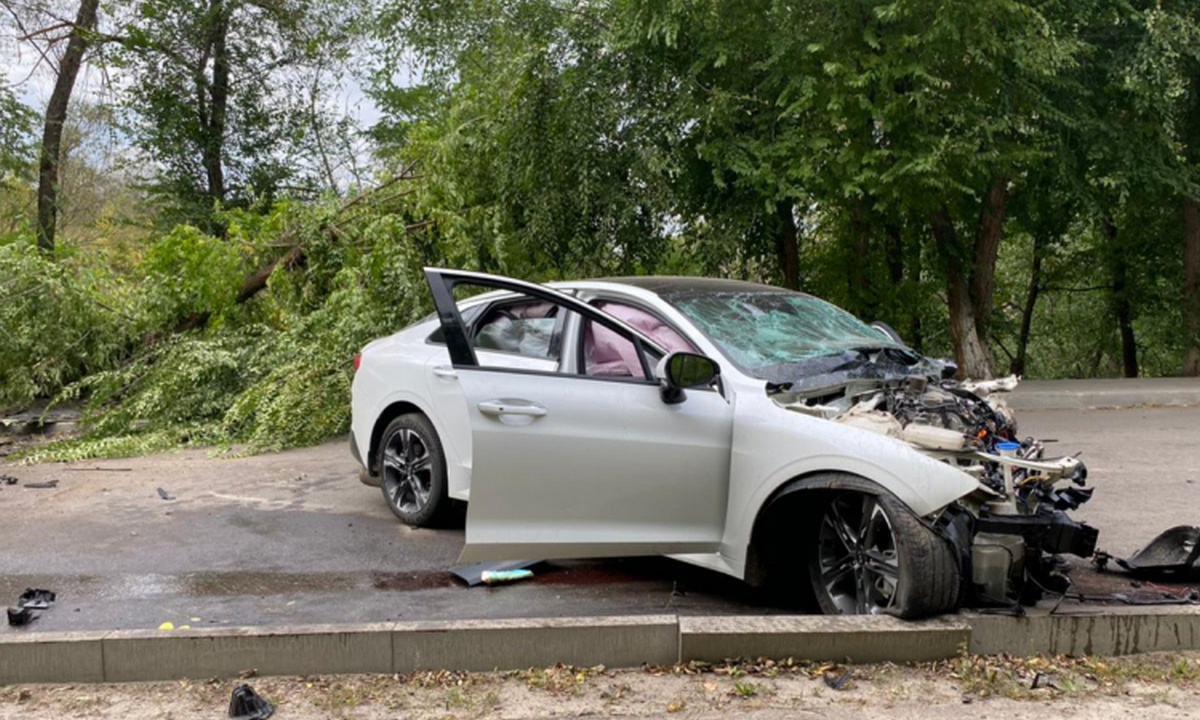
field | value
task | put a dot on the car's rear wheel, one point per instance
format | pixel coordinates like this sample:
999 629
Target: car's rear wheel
412 471
872 556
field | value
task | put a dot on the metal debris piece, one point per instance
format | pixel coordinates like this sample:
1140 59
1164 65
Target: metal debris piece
165 495
42 485
245 704
1043 680
36 599
838 678
1172 553
472 575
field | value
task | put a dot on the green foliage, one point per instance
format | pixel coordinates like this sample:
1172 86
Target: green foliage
16 136
189 272
221 100
273 373
55 322
546 139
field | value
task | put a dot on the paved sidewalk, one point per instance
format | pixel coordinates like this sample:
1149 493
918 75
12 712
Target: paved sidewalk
1107 393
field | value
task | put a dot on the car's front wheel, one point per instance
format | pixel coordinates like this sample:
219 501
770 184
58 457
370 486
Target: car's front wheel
873 556
412 471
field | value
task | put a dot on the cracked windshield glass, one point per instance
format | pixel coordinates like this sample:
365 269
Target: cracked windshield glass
763 329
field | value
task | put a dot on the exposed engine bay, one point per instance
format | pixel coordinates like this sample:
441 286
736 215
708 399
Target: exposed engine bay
1011 533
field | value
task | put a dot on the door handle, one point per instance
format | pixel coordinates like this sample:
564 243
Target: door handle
444 371
511 407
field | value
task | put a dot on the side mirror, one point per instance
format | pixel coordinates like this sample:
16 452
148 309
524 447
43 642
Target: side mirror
681 370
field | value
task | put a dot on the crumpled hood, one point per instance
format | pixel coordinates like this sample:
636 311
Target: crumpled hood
884 365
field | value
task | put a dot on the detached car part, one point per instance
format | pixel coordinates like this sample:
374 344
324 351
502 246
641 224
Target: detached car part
1173 553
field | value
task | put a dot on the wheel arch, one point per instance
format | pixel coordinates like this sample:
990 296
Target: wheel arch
797 499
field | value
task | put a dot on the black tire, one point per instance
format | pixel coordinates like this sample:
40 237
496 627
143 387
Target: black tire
419 498
926 581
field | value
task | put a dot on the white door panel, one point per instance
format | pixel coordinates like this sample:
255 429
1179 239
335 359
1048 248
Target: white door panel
451 409
567 466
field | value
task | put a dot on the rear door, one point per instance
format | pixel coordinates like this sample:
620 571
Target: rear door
572 465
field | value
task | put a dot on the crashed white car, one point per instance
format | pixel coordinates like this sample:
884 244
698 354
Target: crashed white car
759 432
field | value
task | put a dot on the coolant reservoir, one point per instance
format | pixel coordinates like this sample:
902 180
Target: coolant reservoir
997 567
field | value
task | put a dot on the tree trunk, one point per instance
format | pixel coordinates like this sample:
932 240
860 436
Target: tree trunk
987 246
788 245
56 115
859 276
1122 307
1031 298
895 254
916 339
970 351
214 140
1191 284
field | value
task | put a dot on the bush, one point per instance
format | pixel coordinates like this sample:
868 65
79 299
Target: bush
59 320
273 373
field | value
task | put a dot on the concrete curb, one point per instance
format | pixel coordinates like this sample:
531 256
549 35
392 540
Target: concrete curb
481 645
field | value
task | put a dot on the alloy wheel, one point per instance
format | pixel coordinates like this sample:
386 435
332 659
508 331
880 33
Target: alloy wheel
407 470
858 564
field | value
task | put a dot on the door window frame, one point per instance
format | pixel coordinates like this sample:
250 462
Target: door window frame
461 349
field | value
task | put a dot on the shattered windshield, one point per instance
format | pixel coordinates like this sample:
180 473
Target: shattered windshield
762 329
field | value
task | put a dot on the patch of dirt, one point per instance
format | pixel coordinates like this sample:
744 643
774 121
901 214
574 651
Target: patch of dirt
1162 685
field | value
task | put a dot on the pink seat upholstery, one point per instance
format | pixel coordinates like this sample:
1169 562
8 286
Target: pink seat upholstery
607 353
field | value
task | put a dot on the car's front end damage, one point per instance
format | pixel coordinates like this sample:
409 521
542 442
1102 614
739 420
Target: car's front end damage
1011 532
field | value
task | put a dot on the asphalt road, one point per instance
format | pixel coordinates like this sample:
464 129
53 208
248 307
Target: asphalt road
294 538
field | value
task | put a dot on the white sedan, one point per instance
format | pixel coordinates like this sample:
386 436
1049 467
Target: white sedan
755 431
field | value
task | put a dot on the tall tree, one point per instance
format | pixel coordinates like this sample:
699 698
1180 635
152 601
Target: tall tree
220 99
56 115
873 111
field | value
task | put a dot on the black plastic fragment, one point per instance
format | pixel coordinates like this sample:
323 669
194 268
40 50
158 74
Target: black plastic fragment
42 485
19 616
245 704
165 495
1069 498
8 479
1172 553
36 599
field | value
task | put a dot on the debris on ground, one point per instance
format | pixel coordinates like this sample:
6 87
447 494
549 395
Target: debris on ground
838 678
472 575
30 600
1172 553
36 599
245 704
19 616
499 577
49 484
165 495
99 469
1043 680
7 479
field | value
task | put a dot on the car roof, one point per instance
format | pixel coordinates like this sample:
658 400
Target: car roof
660 284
